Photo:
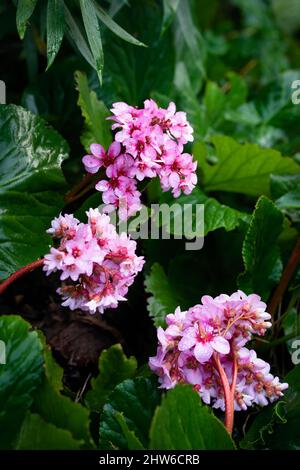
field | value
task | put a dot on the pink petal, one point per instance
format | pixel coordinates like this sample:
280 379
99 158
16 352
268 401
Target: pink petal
102 185
220 344
188 340
114 149
91 163
203 352
97 150
174 179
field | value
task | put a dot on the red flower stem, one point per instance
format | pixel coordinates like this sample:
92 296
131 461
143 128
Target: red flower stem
285 279
19 273
229 406
234 377
79 186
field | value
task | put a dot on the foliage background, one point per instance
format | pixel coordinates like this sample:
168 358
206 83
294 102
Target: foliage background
230 66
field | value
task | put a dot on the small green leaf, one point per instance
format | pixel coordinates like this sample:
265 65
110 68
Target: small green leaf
91 24
214 102
114 367
37 434
62 412
260 251
283 184
133 442
242 168
25 9
170 9
183 422
276 427
114 27
136 400
19 376
55 28
163 298
94 111
77 39
59 409
192 36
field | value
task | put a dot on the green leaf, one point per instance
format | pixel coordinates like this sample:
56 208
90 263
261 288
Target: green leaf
37 434
133 443
282 184
184 218
214 102
136 400
55 28
132 74
183 422
19 376
57 409
25 9
62 412
114 367
91 24
242 168
163 296
277 427
192 36
52 371
285 189
31 179
94 111
114 27
77 39
170 9
260 250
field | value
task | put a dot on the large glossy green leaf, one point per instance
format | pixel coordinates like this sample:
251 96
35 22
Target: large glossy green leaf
19 376
163 298
31 184
114 367
37 434
260 250
183 422
242 168
277 426
136 400
91 24
55 28
25 9
94 111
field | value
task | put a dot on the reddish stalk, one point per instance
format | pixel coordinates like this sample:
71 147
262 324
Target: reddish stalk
78 187
228 395
79 195
234 377
19 273
285 279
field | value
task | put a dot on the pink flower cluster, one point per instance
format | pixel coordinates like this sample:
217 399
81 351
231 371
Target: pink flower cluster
148 143
217 328
98 263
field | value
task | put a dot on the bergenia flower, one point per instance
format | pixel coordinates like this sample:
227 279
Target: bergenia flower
96 264
217 328
148 143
